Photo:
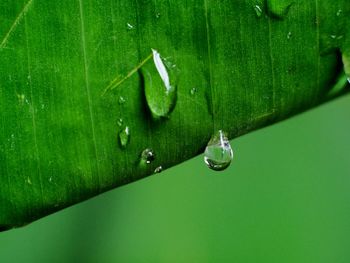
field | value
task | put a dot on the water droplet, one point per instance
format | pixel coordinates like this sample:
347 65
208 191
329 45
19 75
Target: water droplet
289 35
279 8
121 100
120 122
160 79
124 137
218 153
158 170
193 91
346 63
339 12
336 37
129 26
258 10
158 15
147 156
28 181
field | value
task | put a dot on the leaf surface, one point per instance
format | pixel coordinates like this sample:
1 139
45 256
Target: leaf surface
71 79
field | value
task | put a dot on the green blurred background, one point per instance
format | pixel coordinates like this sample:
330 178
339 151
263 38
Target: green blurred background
285 199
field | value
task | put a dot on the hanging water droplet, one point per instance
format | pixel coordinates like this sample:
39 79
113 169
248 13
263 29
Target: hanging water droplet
147 156
120 122
158 170
129 26
193 91
218 153
289 35
124 137
160 80
346 63
279 8
258 11
121 100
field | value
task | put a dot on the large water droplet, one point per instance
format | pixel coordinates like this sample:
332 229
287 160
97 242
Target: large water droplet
124 137
279 8
160 79
218 153
147 156
258 11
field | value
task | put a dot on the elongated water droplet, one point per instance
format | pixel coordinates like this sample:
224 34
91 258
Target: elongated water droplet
120 122
158 170
258 11
124 137
147 156
160 79
346 62
279 8
218 153
129 26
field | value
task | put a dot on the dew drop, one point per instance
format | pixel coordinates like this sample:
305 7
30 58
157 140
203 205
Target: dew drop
218 153
158 15
160 80
193 91
147 156
279 8
339 12
124 137
289 35
121 100
258 11
158 170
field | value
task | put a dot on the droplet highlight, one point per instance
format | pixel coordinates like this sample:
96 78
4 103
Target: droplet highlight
160 80
121 100
147 156
193 91
218 154
124 137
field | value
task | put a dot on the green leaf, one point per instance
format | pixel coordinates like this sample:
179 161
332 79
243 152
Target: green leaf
71 79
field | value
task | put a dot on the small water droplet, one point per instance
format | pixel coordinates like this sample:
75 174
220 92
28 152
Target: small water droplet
160 80
121 100
50 179
258 11
124 137
120 122
158 170
279 8
147 156
339 12
28 181
289 35
193 91
336 37
158 15
129 26
218 153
